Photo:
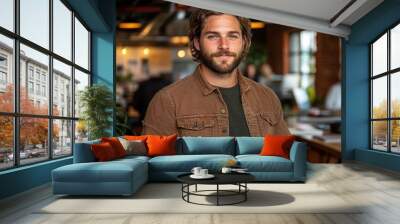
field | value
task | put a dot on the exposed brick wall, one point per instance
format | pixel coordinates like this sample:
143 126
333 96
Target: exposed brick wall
278 47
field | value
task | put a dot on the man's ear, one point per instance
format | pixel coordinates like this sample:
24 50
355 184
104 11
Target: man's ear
196 43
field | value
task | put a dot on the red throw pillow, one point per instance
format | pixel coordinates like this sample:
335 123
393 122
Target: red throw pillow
277 145
103 151
116 145
161 145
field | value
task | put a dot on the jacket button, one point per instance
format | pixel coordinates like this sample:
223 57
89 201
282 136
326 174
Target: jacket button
223 111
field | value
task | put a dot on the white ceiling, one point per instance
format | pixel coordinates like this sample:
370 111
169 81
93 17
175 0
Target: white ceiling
315 15
321 9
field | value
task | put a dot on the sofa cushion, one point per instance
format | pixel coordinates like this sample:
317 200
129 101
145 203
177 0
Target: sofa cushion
111 171
83 152
249 145
206 145
257 163
131 158
185 163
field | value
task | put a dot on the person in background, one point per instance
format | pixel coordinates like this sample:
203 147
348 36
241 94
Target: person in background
334 98
146 90
266 74
251 72
269 79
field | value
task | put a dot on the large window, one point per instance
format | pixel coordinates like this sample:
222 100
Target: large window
385 95
302 56
44 64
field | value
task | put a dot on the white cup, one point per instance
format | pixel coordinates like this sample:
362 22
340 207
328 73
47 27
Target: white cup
203 172
196 170
226 170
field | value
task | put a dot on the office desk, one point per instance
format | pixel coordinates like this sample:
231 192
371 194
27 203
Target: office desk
320 151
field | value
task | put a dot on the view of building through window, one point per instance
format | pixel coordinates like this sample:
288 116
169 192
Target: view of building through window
31 112
385 97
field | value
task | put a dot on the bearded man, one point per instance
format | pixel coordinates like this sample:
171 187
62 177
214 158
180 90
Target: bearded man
216 100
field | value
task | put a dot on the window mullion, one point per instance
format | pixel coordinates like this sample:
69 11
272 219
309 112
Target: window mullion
73 82
389 101
50 81
16 84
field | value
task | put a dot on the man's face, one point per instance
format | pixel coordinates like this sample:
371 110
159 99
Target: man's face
221 44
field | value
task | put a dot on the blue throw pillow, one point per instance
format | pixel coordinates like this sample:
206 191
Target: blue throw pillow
206 145
83 153
249 145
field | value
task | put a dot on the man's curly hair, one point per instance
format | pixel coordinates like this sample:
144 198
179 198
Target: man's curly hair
197 20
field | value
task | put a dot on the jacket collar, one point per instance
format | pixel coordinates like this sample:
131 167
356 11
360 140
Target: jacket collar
207 88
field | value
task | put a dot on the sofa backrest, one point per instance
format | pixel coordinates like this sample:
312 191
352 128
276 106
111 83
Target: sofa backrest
206 145
249 145
83 153
190 146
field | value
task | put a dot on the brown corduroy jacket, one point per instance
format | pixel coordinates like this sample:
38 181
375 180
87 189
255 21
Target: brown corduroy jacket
193 107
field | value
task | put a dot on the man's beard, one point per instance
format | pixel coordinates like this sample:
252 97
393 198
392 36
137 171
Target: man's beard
208 61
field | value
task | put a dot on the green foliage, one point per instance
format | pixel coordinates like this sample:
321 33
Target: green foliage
96 102
256 56
122 121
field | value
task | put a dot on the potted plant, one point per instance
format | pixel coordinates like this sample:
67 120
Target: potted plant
96 103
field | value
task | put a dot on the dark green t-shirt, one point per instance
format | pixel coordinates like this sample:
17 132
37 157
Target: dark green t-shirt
237 120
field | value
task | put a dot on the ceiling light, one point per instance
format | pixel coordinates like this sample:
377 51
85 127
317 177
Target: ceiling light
257 25
181 53
146 51
179 39
129 25
180 15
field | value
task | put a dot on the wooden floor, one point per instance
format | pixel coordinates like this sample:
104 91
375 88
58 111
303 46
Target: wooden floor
377 188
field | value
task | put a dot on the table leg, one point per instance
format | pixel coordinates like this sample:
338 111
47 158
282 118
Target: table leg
217 194
182 188
245 191
188 189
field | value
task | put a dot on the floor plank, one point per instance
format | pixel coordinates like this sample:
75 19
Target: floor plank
376 190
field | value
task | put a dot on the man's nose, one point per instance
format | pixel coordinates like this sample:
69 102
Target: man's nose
223 43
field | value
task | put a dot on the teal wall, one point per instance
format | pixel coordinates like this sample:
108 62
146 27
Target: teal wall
103 52
355 143
100 16
24 178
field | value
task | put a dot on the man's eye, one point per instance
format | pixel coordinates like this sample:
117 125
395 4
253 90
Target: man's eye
233 37
212 37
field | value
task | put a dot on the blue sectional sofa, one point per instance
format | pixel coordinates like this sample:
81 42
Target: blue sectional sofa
125 176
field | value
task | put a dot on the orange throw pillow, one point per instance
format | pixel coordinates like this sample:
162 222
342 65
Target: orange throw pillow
161 145
135 137
116 145
103 151
277 145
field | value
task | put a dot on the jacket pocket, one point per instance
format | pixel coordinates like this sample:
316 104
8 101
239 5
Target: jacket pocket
267 121
195 126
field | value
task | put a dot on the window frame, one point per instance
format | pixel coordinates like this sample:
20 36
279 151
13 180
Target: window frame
16 115
388 74
299 52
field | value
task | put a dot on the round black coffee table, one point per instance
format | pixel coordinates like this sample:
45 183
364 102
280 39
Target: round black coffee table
238 179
